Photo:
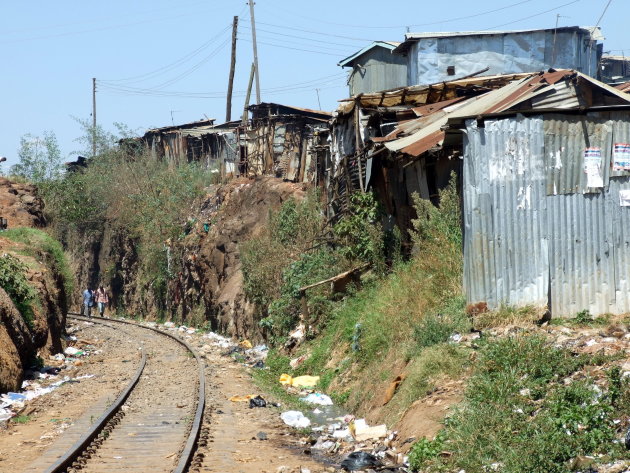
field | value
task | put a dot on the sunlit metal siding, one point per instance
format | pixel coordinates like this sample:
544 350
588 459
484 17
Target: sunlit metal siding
571 248
504 206
503 52
378 69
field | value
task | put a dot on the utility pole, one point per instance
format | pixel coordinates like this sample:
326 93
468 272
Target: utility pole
251 14
93 117
228 111
249 93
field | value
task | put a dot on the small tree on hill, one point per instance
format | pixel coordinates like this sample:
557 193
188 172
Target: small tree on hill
40 158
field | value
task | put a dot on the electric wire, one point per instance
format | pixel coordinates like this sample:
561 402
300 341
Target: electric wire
293 86
534 15
302 37
168 67
437 22
283 46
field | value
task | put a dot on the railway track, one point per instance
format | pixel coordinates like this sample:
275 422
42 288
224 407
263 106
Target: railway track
150 426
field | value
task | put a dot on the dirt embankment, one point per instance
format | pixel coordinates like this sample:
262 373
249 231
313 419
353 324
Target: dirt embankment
210 285
22 338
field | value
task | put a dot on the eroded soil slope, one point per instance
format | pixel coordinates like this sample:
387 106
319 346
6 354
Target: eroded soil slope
210 285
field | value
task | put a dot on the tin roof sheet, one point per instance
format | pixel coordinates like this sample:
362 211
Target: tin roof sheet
551 91
391 45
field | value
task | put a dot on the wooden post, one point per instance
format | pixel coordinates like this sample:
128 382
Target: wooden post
249 93
228 111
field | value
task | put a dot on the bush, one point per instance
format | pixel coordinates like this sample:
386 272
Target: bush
40 241
423 451
13 280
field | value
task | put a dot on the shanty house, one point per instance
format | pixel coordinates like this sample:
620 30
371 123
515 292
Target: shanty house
546 191
214 146
615 69
437 57
375 68
283 141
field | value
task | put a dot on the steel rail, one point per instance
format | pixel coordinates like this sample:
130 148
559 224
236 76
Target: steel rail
187 453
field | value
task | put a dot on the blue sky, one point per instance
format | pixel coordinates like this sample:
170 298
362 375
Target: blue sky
163 62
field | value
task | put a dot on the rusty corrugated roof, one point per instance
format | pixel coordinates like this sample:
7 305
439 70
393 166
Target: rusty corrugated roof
550 91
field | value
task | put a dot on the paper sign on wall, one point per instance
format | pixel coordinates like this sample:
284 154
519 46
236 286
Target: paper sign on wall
621 157
593 167
624 198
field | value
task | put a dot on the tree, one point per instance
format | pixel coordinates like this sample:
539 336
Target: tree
40 158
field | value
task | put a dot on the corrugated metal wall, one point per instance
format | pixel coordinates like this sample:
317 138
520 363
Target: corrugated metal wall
528 51
534 231
379 70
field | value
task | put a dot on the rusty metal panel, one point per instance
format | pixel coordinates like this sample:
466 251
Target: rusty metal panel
505 244
567 139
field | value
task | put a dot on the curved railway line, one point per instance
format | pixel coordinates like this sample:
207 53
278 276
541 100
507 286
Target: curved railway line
145 428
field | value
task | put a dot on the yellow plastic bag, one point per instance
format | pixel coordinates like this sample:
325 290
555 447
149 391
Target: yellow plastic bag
285 379
300 381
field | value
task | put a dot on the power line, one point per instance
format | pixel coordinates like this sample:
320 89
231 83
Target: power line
438 22
295 49
352 38
164 69
603 13
310 46
93 30
307 38
218 94
533 16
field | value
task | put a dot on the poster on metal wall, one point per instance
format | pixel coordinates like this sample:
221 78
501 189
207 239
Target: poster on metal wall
621 157
593 167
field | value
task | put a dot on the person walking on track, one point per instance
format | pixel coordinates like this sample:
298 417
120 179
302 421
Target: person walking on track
88 302
101 299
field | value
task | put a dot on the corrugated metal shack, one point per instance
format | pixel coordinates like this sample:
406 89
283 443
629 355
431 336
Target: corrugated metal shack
546 191
215 146
284 141
436 57
392 142
375 68
615 69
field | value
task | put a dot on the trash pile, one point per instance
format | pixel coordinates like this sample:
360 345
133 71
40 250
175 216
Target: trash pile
352 443
37 379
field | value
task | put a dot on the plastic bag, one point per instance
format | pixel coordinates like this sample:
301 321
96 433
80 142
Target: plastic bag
359 461
300 381
295 419
257 401
318 398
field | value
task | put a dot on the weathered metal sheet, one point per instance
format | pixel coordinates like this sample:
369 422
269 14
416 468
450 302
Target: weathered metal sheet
377 69
431 56
506 247
525 245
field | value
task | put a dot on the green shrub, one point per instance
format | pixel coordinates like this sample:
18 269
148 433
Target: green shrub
40 241
423 451
13 280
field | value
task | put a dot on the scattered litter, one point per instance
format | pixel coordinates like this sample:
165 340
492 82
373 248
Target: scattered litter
342 434
245 344
318 398
295 362
242 398
257 401
72 351
361 431
360 461
218 340
392 388
455 338
261 436
295 419
259 364
322 444
169 324
300 381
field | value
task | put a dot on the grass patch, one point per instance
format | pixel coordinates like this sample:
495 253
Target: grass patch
21 419
38 242
520 415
